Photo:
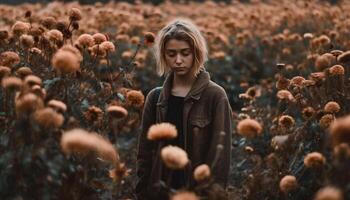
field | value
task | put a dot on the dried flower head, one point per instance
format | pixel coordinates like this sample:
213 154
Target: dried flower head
48 118
308 36
93 114
174 157
81 141
9 58
4 34
20 28
249 128
326 120
48 22
26 41
35 51
149 38
340 130
297 80
65 62
308 112
99 38
85 40
59 106
31 80
117 112
314 160
201 173
54 35
11 83
285 95
279 142
22 72
288 183
108 46
185 195
324 61
286 121
336 52
344 57
282 83
37 90
73 50
162 131
75 14
4 71
27 104
331 107
342 151
336 70
329 193
135 98
119 172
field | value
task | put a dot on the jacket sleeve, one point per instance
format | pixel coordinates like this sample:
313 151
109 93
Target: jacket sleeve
145 146
222 121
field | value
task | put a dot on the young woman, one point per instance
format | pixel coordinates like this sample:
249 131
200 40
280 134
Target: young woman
198 107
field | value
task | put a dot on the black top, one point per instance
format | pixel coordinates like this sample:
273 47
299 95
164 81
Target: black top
174 116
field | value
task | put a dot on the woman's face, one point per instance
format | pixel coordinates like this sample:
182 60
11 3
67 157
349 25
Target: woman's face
179 57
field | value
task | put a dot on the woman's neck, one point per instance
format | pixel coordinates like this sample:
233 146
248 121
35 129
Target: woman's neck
183 81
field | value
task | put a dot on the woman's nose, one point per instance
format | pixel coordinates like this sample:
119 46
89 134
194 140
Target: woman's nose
178 59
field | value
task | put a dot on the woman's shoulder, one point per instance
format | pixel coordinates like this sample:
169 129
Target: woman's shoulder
215 89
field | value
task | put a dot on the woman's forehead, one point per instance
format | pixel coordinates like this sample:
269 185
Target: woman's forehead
175 44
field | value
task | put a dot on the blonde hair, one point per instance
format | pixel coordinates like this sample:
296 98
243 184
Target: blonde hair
185 30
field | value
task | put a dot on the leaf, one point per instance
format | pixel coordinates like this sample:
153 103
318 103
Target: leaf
50 82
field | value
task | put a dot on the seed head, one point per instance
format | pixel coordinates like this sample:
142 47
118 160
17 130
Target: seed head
11 83
201 173
162 131
85 40
149 38
48 22
27 104
99 38
59 106
337 70
93 114
308 112
314 160
326 120
285 95
331 107
75 14
135 98
9 58
340 130
249 128
329 193
286 121
65 62
31 80
73 50
55 35
48 118
108 46
117 112
324 61
174 157
4 71
297 80
26 41
20 28
288 183
23 72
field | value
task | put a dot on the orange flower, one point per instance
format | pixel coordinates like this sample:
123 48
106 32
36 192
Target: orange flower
201 173
332 107
149 38
135 98
162 131
249 128
48 118
288 183
117 112
184 195
329 193
314 160
340 130
59 106
174 157
65 62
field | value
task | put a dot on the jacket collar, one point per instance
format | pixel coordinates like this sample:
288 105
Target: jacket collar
198 86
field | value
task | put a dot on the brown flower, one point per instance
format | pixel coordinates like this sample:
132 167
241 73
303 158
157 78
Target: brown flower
108 46
162 131
93 114
329 193
135 98
48 118
336 70
324 61
282 83
249 128
75 14
149 38
11 83
326 120
26 41
119 172
174 157
4 71
340 130
331 107
65 62
48 22
288 183
185 195
27 104
59 106
308 112
297 80
99 38
117 112
73 50
31 80
23 72
285 95
85 40
54 35
314 160
9 58
201 173
286 121
20 28
81 141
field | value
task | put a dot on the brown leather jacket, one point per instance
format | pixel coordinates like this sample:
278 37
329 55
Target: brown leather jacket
206 113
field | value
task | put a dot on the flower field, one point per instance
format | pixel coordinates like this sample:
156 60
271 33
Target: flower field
74 79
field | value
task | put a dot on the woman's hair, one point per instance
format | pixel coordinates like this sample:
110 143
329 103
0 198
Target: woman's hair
185 30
